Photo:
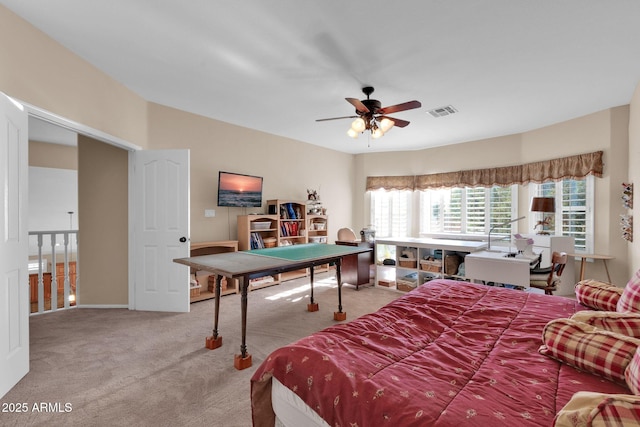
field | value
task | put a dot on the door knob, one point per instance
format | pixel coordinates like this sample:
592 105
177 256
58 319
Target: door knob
183 239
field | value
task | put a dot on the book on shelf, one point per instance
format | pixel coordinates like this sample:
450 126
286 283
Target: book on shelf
284 213
256 241
289 228
290 211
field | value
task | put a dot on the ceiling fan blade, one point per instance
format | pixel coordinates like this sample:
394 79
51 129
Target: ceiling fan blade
400 107
396 122
358 104
336 118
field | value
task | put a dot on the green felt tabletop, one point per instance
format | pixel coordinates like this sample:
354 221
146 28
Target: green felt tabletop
306 251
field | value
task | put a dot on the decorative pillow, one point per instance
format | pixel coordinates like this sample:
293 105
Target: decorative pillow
588 348
630 299
598 295
632 373
623 323
598 409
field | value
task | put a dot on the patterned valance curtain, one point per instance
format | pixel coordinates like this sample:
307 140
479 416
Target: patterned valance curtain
470 178
573 167
578 166
391 183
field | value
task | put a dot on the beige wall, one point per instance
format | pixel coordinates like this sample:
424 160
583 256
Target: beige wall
53 156
617 172
288 167
606 130
102 222
634 176
37 70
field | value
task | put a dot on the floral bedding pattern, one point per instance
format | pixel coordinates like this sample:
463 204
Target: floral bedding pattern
446 354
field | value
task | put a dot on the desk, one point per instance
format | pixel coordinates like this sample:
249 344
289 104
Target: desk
246 265
494 266
355 268
594 257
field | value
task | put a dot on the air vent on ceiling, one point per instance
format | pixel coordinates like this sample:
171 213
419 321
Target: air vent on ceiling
443 111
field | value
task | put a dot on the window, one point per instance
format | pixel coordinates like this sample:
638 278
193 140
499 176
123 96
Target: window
476 210
390 213
441 210
467 210
574 213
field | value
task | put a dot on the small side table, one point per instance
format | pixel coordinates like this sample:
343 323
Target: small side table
594 257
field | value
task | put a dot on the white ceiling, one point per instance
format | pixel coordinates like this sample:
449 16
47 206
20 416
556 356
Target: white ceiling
507 66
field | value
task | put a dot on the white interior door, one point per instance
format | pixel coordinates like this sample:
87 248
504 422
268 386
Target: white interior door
14 279
161 230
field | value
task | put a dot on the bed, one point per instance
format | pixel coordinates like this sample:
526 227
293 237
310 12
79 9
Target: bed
447 353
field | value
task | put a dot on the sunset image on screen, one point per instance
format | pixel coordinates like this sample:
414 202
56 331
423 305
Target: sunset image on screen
240 183
239 190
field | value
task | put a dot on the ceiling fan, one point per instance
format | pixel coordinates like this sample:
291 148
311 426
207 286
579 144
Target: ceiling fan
373 117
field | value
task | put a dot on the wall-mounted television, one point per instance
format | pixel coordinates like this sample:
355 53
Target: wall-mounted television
238 190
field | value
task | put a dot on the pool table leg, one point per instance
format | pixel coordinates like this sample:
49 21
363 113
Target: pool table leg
243 360
339 315
215 341
312 306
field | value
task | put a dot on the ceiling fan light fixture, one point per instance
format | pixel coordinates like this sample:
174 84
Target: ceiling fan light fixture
358 125
386 124
371 116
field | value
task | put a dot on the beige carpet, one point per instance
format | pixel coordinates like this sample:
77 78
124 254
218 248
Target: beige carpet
115 367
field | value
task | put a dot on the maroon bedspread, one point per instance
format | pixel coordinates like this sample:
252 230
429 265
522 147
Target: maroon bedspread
448 353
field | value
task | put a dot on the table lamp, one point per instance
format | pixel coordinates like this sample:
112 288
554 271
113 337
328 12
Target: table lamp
544 205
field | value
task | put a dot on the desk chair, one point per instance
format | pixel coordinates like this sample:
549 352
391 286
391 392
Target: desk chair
548 278
347 235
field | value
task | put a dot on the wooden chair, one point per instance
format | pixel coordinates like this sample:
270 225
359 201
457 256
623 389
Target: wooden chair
548 278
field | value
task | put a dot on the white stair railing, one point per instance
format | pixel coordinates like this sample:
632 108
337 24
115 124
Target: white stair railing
47 270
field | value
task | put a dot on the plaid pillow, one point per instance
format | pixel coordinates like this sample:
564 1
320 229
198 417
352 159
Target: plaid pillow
630 299
597 409
623 323
598 295
588 348
632 373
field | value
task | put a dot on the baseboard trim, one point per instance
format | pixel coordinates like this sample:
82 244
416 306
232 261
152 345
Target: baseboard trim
103 306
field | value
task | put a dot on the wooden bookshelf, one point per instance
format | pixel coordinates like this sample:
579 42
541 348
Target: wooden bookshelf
257 232
286 223
292 223
317 227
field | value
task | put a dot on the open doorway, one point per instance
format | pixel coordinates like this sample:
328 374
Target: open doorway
98 163
120 186
53 217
